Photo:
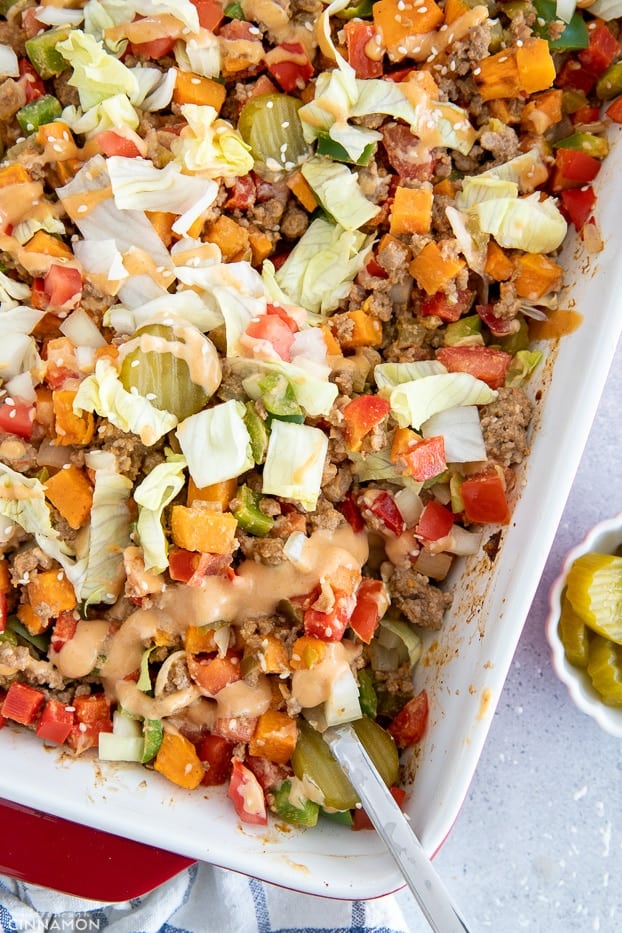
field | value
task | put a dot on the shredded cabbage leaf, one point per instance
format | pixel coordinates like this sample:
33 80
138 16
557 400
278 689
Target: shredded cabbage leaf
414 402
312 390
156 491
103 392
96 74
216 443
210 145
528 223
394 374
295 462
338 191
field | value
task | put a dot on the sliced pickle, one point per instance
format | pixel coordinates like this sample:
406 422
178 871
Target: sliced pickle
594 587
269 124
574 634
160 369
605 669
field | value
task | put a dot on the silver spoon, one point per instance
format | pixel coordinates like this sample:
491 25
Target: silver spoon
392 826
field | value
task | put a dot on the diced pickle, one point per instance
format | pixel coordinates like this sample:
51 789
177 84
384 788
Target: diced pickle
269 124
574 634
594 587
380 747
313 758
304 815
163 376
605 669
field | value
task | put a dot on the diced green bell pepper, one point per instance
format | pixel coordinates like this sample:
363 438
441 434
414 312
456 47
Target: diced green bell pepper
328 147
152 733
464 331
40 642
248 513
367 693
574 36
590 143
234 11
361 10
43 110
42 52
278 398
258 432
609 85
306 815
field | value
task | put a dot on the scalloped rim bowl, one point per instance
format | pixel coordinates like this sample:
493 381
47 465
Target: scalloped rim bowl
603 538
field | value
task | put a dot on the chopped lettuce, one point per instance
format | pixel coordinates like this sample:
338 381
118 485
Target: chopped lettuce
96 74
318 272
216 443
523 364
393 374
103 392
210 145
156 491
414 402
103 573
530 224
338 191
295 462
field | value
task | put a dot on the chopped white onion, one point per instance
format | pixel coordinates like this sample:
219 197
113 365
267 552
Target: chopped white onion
293 548
410 505
461 429
9 67
463 542
59 16
82 330
565 9
53 455
21 387
342 704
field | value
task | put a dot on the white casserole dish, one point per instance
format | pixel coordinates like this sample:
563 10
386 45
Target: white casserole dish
464 665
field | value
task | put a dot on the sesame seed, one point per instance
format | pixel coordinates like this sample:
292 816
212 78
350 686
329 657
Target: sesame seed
82 209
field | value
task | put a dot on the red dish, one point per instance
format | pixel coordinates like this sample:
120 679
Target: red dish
46 850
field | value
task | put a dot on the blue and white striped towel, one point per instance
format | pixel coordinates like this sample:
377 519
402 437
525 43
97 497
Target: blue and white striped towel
203 899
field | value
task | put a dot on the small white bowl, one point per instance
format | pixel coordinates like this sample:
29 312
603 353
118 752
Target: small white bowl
603 538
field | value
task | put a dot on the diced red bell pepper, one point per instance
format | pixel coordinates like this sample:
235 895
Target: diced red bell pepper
16 417
438 305
190 567
410 723
586 115
573 169
30 81
64 629
435 521
275 331
426 458
498 326
155 48
614 110
351 513
577 204
94 707
291 73
115 144
361 415
360 36
22 703
485 363
372 601
484 498
213 674
330 626
242 195
235 728
85 735
63 286
211 14
574 76
246 794
383 507
360 820
374 268
215 753
602 49
56 722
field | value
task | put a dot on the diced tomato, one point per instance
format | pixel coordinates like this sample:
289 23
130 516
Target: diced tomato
272 328
92 708
235 728
484 498
30 81
262 85
485 363
405 153
56 722
360 820
330 626
240 29
573 169
383 507
372 601
22 703
498 326
438 305
284 316
246 794
361 415
155 48
374 268
215 753
291 74
210 12
242 195
602 49
426 459
360 38
212 674
573 76
409 725
351 513
435 521
577 204
586 115
190 567
614 110
85 735
63 286
16 417
115 144
64 629
267 190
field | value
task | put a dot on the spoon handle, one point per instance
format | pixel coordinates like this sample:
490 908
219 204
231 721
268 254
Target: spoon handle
396 833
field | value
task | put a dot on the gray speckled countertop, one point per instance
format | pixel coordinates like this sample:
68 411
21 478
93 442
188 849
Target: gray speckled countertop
538 843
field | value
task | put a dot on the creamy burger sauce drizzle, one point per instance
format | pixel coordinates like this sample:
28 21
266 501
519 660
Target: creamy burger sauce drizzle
254 592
